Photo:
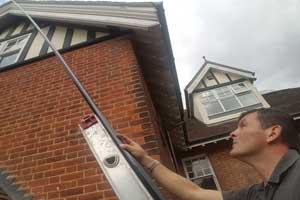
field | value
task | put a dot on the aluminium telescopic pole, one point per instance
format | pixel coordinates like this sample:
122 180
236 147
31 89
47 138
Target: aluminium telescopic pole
138 169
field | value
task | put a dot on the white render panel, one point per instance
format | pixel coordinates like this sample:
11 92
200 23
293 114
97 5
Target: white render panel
199 111
220 76
30 27
200 86
4 34
208 82
101 34
234 76
18 29
79 36
37 44
58 37
211 66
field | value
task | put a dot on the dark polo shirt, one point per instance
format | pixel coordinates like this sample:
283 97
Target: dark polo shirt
284 183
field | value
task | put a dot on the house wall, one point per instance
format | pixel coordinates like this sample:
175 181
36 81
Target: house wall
231 173
40 142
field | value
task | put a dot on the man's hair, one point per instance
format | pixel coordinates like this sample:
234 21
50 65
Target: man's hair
269 117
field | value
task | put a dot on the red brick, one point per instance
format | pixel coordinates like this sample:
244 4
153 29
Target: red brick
92 196
55 172
39 131
90 188
90 180
72 176
71 192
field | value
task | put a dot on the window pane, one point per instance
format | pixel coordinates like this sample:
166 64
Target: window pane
207 171
223 92
7 60
230 103
198 166
21 42
248 99
206 182
208 96
213 108
198 172
10 45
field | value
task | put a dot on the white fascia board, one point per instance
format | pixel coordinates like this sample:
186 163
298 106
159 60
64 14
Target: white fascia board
91 20
208 142
134 17
197 80
296 118
241 73
145 13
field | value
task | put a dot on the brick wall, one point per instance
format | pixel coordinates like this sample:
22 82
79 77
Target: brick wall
40 142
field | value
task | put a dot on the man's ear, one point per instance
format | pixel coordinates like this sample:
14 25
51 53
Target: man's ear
274 133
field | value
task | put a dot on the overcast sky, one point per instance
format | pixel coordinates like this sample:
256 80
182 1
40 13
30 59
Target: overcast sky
262 36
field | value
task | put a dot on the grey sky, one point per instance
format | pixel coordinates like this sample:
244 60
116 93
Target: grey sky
260 36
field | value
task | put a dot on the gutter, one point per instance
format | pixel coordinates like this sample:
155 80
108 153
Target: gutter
171 62
208 142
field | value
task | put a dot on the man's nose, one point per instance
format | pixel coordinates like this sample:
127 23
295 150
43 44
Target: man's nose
233 133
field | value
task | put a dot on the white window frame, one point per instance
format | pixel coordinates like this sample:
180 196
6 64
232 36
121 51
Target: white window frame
206 175
14 50
233 93
246 89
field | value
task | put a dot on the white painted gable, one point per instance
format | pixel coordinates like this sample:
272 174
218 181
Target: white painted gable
214 95
212 74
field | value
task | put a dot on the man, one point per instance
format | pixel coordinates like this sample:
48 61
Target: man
265 139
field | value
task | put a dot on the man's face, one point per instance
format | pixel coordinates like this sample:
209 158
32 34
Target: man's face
249 137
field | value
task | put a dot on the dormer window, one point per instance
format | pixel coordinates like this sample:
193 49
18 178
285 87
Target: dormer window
11 50
227 99
219 93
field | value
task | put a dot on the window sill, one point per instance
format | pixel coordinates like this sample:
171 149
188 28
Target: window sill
259 105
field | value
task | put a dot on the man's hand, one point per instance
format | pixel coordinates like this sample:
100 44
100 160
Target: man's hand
179 186
136 150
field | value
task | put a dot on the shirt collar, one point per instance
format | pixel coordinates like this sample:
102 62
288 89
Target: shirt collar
284 164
